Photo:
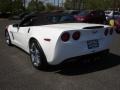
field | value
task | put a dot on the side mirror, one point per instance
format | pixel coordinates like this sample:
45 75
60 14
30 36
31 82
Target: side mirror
16 25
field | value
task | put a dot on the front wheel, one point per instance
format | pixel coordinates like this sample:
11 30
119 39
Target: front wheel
7 39
37 56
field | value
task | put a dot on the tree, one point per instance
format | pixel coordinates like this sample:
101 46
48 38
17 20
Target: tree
17 6
91 4
5 5
14 6
35 5
68 4
98 4
73 4
50 7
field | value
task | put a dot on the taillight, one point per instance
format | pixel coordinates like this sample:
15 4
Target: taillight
76 35
111 31
65 37
106 32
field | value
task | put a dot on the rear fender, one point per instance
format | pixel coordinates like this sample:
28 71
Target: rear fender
47 42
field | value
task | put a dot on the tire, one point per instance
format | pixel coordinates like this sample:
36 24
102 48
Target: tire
37 56
118 31
7 39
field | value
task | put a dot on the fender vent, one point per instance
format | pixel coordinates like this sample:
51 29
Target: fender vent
94 27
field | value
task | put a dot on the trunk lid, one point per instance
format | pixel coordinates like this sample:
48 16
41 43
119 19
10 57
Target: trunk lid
92 34
73 26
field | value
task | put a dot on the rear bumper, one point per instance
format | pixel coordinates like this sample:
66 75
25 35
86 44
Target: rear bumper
83 57
80 56
92 55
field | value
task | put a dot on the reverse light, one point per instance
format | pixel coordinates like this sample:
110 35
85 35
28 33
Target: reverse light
65 37
76 35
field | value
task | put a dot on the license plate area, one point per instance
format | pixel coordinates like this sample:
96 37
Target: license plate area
92 44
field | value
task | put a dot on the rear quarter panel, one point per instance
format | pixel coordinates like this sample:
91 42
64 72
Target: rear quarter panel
41 33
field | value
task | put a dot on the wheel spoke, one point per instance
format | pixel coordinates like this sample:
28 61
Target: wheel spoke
7 38
35 54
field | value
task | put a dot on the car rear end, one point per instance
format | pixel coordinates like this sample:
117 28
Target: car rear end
98 16
82 16
117 25
88 40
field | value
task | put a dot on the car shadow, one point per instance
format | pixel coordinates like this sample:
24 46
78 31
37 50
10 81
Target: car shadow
78 68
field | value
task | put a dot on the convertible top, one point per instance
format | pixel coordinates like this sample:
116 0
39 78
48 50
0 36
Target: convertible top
46 18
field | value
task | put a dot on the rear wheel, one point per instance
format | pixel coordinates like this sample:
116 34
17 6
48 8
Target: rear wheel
7 38
37 56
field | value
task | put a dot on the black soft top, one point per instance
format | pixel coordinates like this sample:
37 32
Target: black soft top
45 18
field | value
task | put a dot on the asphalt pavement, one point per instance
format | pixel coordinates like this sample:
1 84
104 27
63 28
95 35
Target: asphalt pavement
17 73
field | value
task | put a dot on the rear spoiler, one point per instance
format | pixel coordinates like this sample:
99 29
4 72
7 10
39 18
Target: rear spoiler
94 27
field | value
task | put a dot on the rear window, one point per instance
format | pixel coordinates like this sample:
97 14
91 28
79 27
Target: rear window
74 12
65 18
116 13
98 13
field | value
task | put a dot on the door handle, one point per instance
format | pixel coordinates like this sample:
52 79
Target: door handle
28 30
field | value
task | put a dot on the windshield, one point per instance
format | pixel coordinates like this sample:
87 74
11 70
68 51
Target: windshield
84 13
107 12
43 19
60 18
116 13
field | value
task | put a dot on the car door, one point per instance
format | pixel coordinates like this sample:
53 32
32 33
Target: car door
13 33
21 33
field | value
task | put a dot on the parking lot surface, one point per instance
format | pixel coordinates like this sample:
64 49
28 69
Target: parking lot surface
17 73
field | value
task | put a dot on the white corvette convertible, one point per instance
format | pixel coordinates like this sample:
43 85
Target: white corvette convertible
51 39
